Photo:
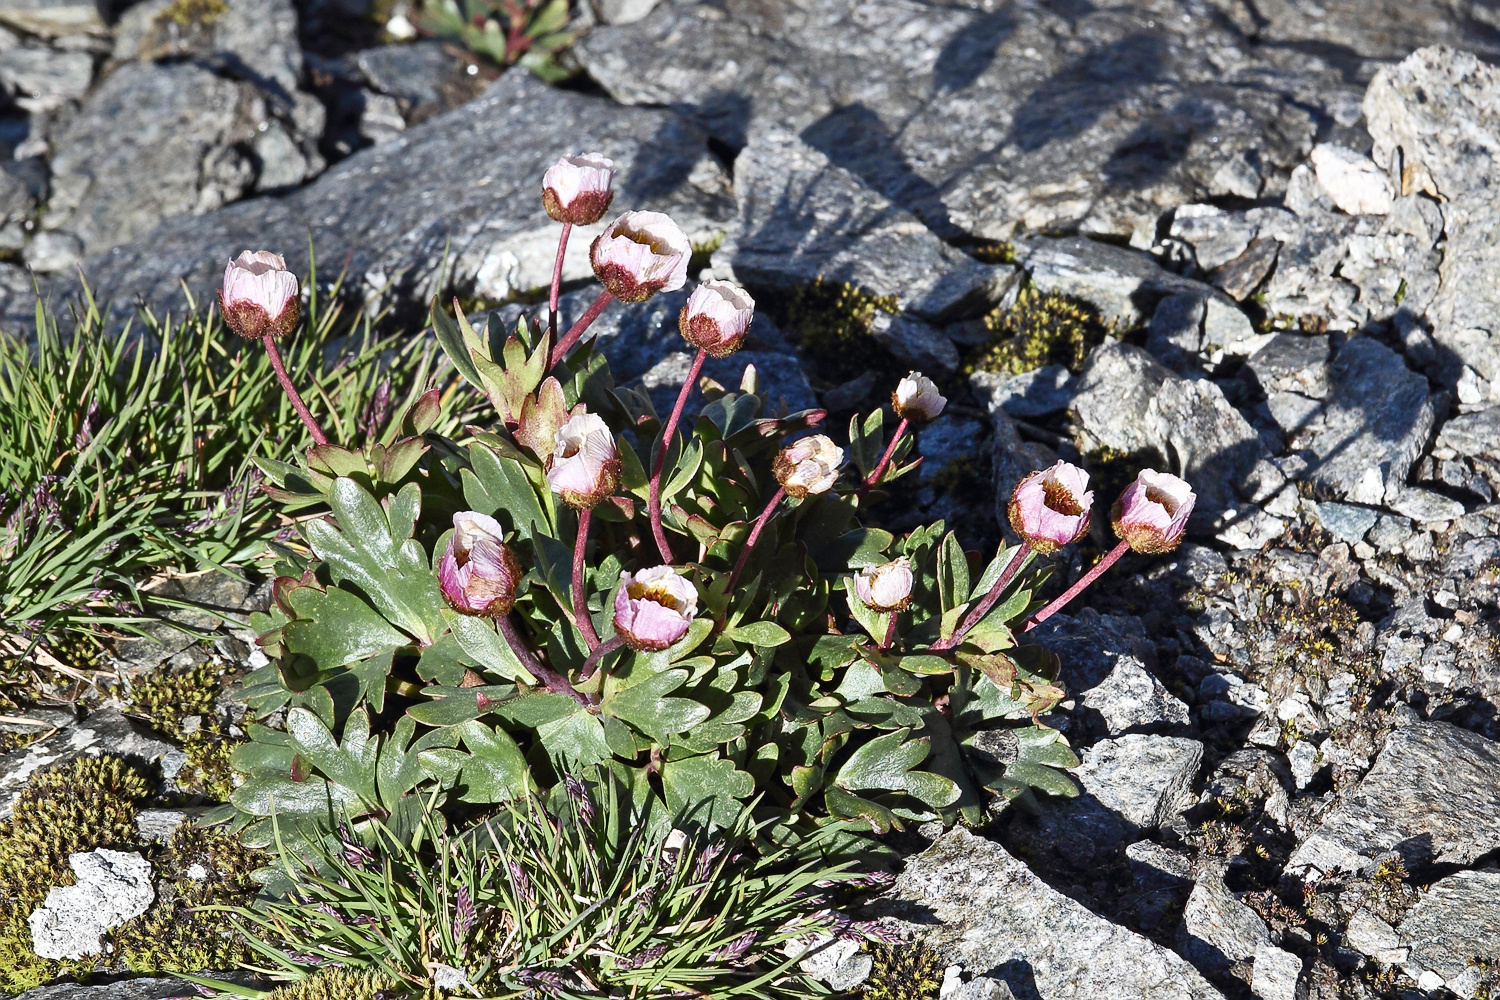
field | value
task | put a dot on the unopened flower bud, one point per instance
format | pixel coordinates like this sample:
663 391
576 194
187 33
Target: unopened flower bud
716 317
1050 508
585 467
1152 514
808 465
478 573
886 587
576 189
640 254
917 399
259 295
654 608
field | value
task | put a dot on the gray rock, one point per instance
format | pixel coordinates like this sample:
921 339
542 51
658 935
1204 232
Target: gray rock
1239 278
979 906
104 732
420 75
49 252
1438 106
1374 426
1343 521
464 183
1128 402
947 439
144 988
50 18
1031 394
110 888
1217 929
803 217
254 40
983 988
1425 506
1275 974
43 78
150 143
1352 180
914 342
1369 935
1473 434
1291 362
781 377
1217 236
1456 920
1105 670
1174 335
1432 796
1144 779
622 11
1162 880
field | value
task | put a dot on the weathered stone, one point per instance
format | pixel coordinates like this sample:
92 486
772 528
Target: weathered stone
1291 362
1456 920
105 732
43 78
1126 401
1344 521
1031 394
423 76
1217 236
51 18
1275 974
461 185
1144 779
973 902
1353 182
144 988
1162 880
914 342
254 40
1374 426
51 252
1441 109
1217 929
622 11
1371 936
802 217
110 887
1433 796
1473 434
1425 506
1105 669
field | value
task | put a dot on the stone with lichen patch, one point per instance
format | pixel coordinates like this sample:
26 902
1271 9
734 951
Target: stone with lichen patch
110 888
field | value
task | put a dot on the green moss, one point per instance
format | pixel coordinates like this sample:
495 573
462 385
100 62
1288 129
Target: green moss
703 251
200 867
833 319
86 803
1042 328
207 771
904 972
165 698
994 252
186 13
335 984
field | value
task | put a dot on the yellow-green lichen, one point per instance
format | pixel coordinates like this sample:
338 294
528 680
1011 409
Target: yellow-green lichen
903 972
833 321
187 13
1041 328
335 984
86 803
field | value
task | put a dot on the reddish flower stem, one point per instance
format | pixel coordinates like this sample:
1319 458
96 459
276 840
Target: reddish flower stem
890 449
760 523
606 647
890 632
1079 587
562 246
291 392
549 678
653 500
571 337
580 599
976 614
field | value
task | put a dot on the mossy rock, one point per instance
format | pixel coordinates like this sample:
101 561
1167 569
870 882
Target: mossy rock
903 972
833 322
1041 328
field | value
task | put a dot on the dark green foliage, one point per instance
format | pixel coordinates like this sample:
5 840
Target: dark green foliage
528 32
903 972
1042 328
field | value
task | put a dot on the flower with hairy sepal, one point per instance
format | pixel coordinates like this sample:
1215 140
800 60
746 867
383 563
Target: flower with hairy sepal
640 254
653 608
808 465
1050 508
917 399
576 189
585 465
886 587
477 572
716 317
259 295
1152 514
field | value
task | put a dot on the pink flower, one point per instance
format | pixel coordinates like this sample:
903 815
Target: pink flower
808 465
576 189
585 467
654 608
259 296
1152 514
917 399
640 254
716 317
886 587
1050 508
478 573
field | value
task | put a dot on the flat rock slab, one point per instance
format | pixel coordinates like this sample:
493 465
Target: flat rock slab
106 732
110 887
1105 670
466 183
1456 921
145 988
1433 796
969 899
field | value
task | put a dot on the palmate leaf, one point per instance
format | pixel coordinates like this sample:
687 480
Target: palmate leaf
648 707
706 789
492 771
374 549
887 763
337 627
497 485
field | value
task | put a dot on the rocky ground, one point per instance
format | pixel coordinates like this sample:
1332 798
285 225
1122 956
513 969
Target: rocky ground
1283 214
